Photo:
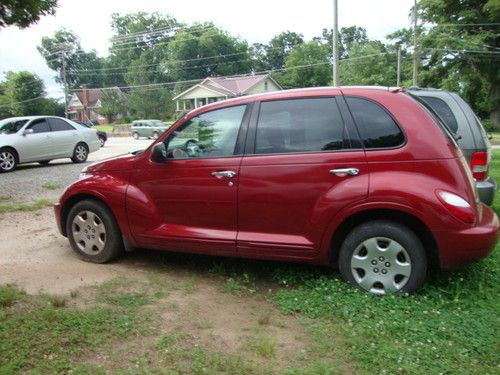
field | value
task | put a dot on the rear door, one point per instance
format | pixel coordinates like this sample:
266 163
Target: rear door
64 137
302 165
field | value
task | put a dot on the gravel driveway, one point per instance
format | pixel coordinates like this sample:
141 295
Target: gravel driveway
31 182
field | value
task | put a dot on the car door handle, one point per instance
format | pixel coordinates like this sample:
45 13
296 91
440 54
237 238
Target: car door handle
345 172
222 174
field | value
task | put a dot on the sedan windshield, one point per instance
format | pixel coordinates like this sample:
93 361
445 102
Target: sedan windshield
11 126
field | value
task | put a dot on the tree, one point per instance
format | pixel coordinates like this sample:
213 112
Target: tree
347 37
462 49
24 90
24 13
65 47
151 103
203 50
279 48
51 107
307 65
113 102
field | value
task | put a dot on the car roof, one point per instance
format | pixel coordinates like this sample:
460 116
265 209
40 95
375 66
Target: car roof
32 117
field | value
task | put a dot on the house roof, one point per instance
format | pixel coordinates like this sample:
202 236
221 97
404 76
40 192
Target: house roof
94 95
228 86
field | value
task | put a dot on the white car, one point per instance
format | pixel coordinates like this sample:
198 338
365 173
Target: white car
42 139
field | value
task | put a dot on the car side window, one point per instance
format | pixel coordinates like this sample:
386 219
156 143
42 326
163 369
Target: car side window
211 134
444 111
377 128
57 125
299 125
40 126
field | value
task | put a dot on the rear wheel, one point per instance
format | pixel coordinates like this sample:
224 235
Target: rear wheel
135 135
383 257
102 141
93 232
81 153
8 160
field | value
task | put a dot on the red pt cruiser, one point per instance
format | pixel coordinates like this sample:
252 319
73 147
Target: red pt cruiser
368 179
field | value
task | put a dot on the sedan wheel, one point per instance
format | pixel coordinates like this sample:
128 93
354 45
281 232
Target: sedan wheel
383 257
89 232
7 160
155 135
80 153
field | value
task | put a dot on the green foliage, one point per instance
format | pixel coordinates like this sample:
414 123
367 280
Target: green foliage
150 103
10 294
25 91
113 102
24 13
34 206
274 54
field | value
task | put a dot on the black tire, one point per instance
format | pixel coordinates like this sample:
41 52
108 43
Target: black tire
406 273
8 159
135 135
80 153
44 162
156 135
113 243
102 140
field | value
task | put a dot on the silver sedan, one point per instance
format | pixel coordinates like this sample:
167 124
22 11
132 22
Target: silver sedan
42 139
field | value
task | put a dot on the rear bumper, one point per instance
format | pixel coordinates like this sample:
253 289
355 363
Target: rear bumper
57 213
458 248
486 190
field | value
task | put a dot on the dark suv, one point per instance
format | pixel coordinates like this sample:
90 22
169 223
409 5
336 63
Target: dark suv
468 132
364 178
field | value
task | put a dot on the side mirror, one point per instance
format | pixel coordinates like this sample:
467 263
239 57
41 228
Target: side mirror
28 131
159 153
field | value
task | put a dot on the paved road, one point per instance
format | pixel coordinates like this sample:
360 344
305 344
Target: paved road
31 182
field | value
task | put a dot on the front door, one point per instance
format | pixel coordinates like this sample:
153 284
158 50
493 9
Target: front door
64 137
37 145
305 166
189 203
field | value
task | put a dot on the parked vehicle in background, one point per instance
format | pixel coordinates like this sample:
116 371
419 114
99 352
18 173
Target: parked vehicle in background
467 131
148 128
364 178
42 139
103 136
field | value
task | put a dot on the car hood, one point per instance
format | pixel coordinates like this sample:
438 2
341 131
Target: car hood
117 163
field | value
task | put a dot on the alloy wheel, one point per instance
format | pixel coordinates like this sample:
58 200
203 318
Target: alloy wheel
7 160
81 152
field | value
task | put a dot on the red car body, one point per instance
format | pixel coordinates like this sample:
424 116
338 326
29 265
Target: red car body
287 206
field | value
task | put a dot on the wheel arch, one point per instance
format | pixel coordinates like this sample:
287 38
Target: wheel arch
402 217
12 148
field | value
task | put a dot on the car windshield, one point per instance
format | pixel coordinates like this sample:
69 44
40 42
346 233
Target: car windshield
11 126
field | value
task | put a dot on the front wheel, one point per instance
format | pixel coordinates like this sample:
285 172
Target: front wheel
80 154
383 257
93 232
8 160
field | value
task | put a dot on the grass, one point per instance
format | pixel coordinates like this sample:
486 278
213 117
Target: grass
104 128
33 206
51 186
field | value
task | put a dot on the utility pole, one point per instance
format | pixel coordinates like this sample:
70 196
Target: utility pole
64 79
398 82
415 48
335 40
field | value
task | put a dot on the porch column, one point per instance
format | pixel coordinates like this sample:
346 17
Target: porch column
184 105
177 105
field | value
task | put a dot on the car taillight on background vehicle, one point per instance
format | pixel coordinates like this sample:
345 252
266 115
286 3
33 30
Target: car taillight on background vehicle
457 206
479 165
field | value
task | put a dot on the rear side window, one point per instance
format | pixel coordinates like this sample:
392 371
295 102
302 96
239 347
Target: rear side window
58 125
299 125
377 128
444 111
40 126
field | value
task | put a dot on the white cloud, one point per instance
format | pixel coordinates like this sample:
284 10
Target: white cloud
255 21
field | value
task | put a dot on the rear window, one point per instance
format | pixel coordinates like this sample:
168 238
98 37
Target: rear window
444 111
376 126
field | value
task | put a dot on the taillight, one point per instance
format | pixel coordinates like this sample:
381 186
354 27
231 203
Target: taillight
457 206
479 165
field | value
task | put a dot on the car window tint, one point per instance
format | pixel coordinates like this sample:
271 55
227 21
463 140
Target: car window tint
376 126
212 134
40 126
444 111
299 125
58 125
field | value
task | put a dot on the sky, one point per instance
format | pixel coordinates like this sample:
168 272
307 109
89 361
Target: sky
254 21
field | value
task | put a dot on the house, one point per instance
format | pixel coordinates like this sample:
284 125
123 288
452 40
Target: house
213 89
84 105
